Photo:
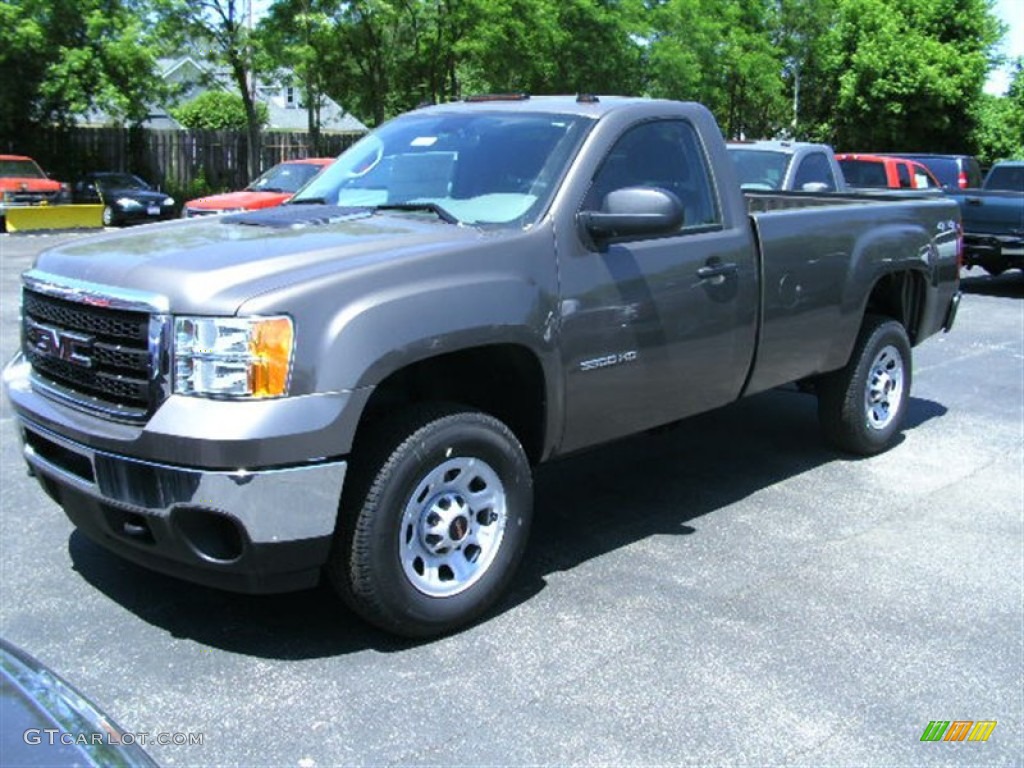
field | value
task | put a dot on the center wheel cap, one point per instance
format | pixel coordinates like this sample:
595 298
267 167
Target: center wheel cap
445 523
459 528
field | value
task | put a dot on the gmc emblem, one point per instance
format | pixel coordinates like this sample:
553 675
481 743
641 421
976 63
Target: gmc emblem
75 348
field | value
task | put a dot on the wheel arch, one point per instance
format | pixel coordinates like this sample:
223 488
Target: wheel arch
505 380
902 296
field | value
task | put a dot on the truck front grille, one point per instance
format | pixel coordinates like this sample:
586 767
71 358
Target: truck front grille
33 198
93 356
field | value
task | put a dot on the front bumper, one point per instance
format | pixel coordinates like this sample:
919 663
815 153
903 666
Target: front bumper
250 531
236 505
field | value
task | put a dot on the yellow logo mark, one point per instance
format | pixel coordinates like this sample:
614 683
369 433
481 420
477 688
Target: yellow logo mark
982 730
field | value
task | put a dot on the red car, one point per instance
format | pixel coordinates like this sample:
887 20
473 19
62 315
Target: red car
883 171
272 188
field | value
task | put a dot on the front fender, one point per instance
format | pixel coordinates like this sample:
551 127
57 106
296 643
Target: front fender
380 333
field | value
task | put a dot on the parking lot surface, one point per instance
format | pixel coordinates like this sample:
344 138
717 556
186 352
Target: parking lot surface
725 591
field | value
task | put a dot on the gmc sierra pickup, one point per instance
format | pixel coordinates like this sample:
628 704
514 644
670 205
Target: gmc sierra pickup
358 383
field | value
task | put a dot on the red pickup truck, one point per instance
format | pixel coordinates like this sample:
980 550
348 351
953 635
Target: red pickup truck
883 171
23 182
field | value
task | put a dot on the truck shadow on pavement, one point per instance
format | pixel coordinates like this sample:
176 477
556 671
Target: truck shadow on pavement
1007 285
586 506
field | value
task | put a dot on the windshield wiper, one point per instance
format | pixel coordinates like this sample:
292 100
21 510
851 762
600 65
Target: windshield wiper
433 208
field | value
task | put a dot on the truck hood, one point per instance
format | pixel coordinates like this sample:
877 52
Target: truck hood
213 265
28 184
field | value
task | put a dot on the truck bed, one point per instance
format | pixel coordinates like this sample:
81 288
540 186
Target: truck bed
814 264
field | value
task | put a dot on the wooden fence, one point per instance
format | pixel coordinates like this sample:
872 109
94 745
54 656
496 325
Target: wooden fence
181 162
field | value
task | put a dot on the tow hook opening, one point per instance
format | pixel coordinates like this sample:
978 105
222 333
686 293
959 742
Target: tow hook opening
212 535
129 525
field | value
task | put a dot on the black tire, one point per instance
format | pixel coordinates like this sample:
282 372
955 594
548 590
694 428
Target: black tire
428 462
862 407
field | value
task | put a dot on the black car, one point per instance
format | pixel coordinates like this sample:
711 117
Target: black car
47 722
126 198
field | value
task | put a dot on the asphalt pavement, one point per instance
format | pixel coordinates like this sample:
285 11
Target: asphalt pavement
729 591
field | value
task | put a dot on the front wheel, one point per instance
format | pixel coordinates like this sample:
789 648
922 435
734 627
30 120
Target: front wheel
109 220
862 406
434 521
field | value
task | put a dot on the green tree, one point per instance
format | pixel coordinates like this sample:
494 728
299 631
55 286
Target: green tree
216 110
551 46
999 134
380 57
907 72
724 55
299 35
64 58
802 26
219 31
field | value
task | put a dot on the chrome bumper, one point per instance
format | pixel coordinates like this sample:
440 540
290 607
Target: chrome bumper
262 530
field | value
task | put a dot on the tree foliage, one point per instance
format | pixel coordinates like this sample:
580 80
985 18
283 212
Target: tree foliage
62 58
860 74
999 120
904 71
297 35
216 110
218 31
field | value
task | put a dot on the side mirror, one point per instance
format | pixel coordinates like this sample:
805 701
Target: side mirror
634 212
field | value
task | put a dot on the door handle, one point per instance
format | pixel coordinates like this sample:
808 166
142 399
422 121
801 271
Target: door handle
972 200
712 271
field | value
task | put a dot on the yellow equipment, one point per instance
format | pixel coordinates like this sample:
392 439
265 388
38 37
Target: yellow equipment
72 216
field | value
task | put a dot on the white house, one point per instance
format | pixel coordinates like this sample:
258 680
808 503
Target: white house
285 109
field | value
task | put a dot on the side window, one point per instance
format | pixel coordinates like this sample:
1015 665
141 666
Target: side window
664 154
903 175
815 169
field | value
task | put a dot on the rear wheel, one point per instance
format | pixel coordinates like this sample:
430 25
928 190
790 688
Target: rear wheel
862 406
434 521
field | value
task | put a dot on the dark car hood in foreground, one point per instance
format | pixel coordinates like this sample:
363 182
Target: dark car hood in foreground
213 265
49 723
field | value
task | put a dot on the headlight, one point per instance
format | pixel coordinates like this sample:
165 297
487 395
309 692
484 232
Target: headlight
168 201
128 204
232 356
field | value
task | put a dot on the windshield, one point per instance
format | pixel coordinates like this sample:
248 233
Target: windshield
21 169
120 181
760 169
285 177
1008 177
479 168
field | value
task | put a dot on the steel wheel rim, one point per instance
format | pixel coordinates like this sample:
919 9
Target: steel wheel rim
452 527
883 394
108 216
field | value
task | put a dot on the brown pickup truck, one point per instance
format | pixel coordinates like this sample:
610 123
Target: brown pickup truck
359 382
